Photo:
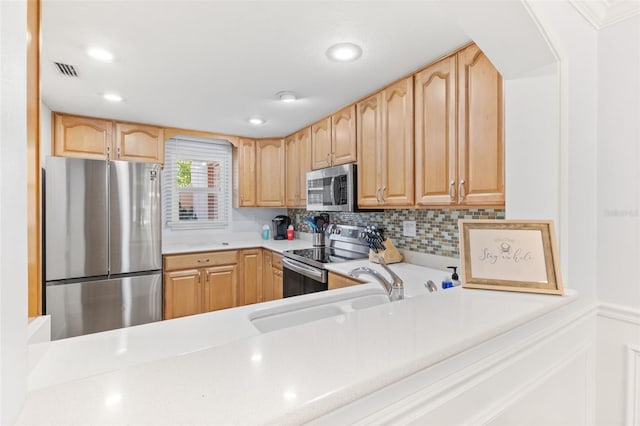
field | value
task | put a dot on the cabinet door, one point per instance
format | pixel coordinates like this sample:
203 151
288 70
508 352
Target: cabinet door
292 174
276 267
321 144
267 276
397 147
250 276
220 287
270 173
480 130
303 138
247 173
435 137
343 136
137 142
82 137
182 293
369 136
339 281
277 283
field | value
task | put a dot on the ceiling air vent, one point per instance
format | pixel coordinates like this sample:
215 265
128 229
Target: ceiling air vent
66 69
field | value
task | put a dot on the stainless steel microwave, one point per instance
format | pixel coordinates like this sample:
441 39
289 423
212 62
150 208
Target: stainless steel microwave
332 189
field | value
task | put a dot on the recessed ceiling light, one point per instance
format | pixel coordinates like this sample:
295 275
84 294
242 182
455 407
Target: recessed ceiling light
112 97
286 96
344 52
100 54
256 121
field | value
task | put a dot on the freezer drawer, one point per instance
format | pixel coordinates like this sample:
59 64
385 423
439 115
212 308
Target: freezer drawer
90 307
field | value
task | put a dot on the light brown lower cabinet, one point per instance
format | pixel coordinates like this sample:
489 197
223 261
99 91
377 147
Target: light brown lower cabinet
250 276
271 276
220 287
276 263
195 283
339 281
182 293
200 282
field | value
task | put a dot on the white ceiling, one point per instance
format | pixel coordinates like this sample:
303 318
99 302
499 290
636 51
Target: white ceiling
210 65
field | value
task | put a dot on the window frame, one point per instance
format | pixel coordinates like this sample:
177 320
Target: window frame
222 152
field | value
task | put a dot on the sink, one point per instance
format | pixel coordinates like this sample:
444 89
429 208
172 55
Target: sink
315 307
300 316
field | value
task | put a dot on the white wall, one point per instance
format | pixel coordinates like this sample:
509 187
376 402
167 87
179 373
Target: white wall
547 54
618 221
13 226
619 163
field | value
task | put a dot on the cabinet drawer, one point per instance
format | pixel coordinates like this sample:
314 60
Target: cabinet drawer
198 260
276 261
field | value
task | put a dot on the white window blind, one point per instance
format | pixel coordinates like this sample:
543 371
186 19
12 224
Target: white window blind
197 183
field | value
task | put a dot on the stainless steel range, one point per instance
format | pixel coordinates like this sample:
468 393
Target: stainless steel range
304 270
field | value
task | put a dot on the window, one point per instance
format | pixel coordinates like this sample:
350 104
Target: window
197 183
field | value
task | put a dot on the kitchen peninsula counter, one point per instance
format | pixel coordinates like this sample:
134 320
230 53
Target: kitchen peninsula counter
217 368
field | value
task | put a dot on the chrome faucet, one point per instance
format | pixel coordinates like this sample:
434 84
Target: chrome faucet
395 289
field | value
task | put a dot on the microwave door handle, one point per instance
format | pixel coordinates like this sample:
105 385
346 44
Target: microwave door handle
334 202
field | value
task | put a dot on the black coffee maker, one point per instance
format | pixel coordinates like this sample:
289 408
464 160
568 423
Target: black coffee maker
279 225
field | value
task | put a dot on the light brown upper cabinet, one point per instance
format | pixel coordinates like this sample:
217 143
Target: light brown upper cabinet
82 137
385 147
436 162
138 142
246 173
480 130
298 162
93 138
333 139
321 144
463 164
270 168
343 136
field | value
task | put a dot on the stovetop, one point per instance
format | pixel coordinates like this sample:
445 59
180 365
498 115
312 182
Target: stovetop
324 255
344 243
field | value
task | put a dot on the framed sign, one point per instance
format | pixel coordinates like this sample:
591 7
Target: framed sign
511 255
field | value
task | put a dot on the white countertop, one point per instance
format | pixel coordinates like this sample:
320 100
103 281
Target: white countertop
231 242
217 368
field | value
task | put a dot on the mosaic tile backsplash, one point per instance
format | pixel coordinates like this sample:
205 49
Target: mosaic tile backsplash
436 230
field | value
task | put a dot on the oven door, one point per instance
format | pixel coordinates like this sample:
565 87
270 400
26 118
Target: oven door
300 278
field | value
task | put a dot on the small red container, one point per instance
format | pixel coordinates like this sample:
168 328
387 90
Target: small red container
289 234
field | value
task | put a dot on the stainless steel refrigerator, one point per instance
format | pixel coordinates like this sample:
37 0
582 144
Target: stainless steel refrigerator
103 251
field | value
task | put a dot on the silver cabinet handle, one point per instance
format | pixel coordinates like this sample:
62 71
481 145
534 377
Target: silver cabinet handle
203 260
377 197
452 186
461 190
384 188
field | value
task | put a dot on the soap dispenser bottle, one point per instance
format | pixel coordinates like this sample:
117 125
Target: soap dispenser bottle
446 282
454 277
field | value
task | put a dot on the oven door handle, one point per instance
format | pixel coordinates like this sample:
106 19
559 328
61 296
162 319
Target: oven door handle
307 271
